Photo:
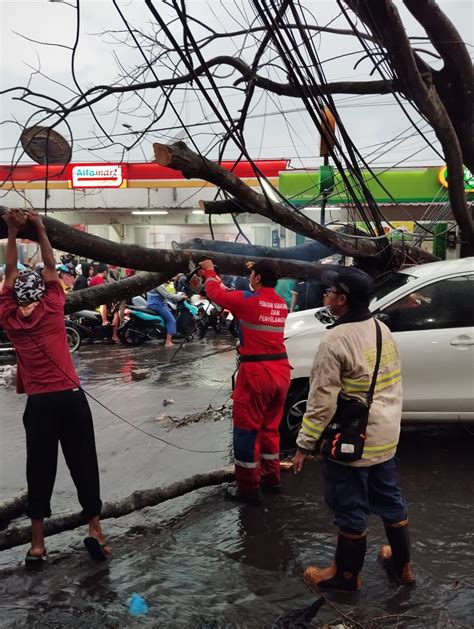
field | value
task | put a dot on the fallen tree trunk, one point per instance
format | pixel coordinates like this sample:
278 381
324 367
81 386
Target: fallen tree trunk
179 157
308 252
12 507
116 291
66 238
169 262
140 499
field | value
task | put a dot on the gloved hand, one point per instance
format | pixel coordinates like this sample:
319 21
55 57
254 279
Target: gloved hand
206 265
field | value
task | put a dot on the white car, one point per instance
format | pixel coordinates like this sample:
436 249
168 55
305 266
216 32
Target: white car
430 310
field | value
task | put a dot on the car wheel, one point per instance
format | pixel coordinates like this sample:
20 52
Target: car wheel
295 408
74 339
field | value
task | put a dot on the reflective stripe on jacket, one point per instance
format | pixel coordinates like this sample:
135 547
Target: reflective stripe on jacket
344 363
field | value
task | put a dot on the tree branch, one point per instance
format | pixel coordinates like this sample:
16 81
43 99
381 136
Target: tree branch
455 81
99 92
116 291
383 16
443 35
66 238
308 252
16 536
12 507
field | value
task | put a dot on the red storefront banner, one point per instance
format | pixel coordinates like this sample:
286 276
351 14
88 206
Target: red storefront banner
135 174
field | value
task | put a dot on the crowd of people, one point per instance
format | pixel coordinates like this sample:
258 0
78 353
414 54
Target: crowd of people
351 423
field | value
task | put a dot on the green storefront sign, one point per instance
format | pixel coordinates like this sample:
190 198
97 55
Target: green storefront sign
419 185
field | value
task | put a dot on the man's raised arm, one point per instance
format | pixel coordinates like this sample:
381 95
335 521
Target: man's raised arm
15 220
49 273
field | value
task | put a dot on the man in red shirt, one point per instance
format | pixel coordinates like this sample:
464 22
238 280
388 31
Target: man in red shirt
262 381
32 314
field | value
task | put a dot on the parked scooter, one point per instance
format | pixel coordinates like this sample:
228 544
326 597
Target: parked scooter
211 316
143 323
88 324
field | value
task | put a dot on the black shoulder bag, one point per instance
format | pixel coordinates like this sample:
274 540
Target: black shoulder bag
344 437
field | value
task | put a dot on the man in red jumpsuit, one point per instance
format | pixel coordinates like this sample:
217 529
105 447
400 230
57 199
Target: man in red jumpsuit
262 382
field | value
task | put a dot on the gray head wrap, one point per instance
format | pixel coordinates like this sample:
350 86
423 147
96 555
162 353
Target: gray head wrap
28 287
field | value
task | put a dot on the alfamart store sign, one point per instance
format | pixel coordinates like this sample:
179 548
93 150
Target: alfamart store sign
98 176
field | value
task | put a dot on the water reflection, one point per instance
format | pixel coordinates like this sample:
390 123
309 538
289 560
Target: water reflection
263 542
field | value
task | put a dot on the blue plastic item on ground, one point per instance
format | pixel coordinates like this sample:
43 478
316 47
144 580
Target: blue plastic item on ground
137 605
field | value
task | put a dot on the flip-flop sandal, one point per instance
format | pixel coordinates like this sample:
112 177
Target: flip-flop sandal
95 549
35 560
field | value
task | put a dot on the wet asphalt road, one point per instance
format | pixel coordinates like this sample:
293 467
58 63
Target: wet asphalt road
200 562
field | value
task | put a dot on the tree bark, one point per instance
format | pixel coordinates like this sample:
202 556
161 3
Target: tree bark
12 507
16 536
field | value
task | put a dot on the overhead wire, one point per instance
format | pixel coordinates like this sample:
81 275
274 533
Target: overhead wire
249 116
396 96
238 140
366 165
302 83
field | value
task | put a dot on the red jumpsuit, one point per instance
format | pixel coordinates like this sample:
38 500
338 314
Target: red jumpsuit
262 381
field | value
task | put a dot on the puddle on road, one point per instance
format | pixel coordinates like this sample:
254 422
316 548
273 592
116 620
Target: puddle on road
195 362
199 561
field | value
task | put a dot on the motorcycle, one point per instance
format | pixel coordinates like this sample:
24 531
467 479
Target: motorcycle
73 336
211 316
88 325
143 323
140 324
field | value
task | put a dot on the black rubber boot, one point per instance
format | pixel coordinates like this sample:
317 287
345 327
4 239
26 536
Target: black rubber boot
344 573
268 488
398 552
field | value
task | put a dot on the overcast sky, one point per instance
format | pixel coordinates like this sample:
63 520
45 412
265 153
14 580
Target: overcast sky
372 121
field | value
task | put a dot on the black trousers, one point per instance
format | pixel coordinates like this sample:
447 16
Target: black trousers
60 417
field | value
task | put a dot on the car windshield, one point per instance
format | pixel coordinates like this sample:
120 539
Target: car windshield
392 283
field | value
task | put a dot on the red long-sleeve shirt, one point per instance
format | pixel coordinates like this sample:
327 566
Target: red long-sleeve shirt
261 314
44 362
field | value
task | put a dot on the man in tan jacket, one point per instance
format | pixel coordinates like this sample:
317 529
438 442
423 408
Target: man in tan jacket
344 365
